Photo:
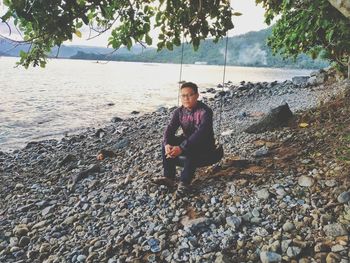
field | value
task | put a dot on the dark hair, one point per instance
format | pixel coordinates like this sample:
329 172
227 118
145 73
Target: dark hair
190 85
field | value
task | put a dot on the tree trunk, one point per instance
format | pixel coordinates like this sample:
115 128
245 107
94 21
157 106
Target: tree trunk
342 5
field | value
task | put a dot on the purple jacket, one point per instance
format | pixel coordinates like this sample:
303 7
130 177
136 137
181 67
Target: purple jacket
197 127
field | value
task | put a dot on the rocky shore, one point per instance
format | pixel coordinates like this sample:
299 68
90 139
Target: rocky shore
89 197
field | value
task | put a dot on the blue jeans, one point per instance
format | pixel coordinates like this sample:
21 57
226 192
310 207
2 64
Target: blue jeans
194 158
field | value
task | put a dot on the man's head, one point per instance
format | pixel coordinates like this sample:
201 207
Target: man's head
189 95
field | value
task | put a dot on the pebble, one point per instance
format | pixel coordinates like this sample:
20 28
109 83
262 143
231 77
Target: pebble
335 230
233 221
263 194
21 230
306 181
288 226
81 258
24 241
293 251
114 214
344 197
270 257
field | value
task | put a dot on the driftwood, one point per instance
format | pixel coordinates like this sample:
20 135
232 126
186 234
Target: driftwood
276 118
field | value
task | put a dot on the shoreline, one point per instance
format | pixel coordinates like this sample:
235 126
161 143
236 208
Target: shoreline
75 131
116 215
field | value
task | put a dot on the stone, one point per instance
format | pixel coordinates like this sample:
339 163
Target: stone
270 257
195 223
263 194
331 183
233 221
69 220
288 226
67 159
45 248
21 230
48 210
306 181
25 240
19 186
298 80
40 224
276 118
337 248
121 144
116 119
293 251
333 258
344 197
285 244
81 258
264 151
93 168
335 230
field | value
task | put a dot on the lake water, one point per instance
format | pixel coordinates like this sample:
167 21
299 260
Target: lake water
69 95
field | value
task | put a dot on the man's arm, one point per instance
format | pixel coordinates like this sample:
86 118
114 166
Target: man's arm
172 127
201 133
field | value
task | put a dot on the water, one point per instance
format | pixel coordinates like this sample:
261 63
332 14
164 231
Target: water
69 95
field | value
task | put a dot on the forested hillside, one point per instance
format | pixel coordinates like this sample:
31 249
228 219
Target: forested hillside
245 50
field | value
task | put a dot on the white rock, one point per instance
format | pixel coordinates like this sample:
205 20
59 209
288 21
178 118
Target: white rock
293 251
270 257
263 194
306 181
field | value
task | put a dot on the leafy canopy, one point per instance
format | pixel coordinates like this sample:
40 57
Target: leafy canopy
47 23
306 26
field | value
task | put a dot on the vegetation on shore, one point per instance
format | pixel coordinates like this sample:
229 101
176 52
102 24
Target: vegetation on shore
249 49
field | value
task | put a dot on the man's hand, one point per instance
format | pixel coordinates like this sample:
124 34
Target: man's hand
175 151
168 149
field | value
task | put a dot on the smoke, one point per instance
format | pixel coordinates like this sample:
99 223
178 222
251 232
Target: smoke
252 55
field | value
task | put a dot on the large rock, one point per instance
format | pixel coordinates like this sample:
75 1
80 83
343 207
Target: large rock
276 118
335 230
299 80
270 257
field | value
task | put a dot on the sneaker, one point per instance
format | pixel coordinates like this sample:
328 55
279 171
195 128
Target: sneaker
182 189
164 181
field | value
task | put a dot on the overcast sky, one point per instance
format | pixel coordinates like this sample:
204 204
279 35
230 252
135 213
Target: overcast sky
251 20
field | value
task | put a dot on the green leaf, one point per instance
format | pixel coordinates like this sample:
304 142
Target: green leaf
177 41
146 27
148 40
169 45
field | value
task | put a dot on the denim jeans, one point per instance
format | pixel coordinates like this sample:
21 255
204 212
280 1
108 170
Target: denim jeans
194 158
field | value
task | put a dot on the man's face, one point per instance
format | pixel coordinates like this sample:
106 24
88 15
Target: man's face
188 97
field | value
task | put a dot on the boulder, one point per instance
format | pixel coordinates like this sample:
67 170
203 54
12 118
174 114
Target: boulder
300 80
276 118
116 119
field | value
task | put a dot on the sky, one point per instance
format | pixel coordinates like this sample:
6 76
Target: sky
252 19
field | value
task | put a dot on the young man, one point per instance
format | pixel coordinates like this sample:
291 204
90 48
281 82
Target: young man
196 143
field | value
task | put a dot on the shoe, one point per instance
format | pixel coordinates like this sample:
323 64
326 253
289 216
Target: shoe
164 181
182 189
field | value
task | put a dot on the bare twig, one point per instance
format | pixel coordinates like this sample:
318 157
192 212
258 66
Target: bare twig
103 31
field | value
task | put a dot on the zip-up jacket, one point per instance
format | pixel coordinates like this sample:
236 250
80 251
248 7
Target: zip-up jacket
197 127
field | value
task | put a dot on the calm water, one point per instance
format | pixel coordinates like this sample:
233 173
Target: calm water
69 95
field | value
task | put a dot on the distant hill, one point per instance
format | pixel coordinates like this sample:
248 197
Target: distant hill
8 48
249 49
